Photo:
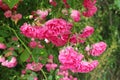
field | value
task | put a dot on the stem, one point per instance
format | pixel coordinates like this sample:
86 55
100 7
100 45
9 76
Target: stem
22 42
44 74
26 49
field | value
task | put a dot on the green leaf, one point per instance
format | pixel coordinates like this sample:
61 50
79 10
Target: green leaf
117 3
11 3
50 77
1 39
24 56
38 52
4 33
30 78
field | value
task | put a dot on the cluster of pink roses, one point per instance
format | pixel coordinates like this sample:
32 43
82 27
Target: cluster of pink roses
58 32
91 9
55 30
72 60
14 17
10 13
89 5
80 38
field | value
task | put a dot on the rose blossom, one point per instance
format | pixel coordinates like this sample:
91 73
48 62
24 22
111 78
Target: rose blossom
50 66
88 31
2 46
50 59
42 14
10 64
32 44
23 71
80 38
34 66
16 17
35 78
2 59
14 38
85 67
8 14
90 12
69 58
4 6
75 15
66 4
32 31
98 48
91 9
53 2
77 38
57 31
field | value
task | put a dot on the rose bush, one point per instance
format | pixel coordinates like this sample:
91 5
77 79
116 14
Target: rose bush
44 46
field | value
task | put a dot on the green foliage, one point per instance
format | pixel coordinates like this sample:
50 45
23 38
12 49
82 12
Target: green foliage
117 3
24 56
106 24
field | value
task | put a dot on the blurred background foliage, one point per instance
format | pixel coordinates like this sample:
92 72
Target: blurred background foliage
107 27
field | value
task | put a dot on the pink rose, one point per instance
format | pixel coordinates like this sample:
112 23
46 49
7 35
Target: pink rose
98 48
57 31
34 66
88 31
10 64
42 14
2 46
32 44
53 2
32 31
50 66
77 38
2 59
69 58
8 14
75 15
91 9
85 67
35 78
16 17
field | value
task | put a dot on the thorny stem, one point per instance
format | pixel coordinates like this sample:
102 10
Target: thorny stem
26 49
